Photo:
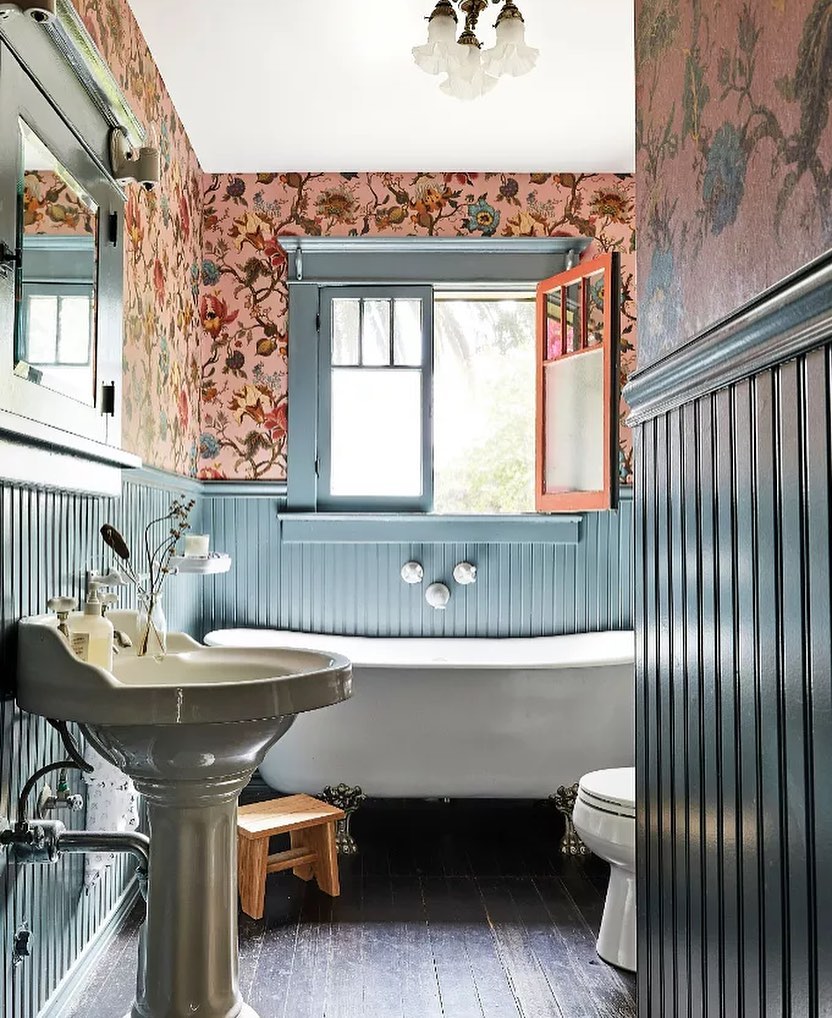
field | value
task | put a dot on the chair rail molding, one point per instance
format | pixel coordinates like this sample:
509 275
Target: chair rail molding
791 318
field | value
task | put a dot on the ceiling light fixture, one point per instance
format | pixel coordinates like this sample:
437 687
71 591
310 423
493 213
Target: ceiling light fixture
472 71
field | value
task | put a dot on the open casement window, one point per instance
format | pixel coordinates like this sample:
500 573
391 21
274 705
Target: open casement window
375 437
578 325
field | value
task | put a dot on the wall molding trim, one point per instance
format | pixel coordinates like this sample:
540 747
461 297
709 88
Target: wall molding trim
504 263
787 320
169 481
65 997
425 528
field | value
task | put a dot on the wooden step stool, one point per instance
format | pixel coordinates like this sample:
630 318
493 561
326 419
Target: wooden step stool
310 825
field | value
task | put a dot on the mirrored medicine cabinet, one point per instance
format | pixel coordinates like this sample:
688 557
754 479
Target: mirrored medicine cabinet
61 251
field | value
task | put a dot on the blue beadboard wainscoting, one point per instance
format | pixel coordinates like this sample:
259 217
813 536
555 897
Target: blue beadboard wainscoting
532 586
49 539
733 692
572 576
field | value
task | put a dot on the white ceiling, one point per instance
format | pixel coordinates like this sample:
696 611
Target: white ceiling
330 85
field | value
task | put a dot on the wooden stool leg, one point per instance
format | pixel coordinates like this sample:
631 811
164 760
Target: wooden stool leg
322 841
253 857
299 839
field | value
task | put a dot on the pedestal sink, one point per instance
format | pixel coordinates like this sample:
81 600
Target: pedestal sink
189 729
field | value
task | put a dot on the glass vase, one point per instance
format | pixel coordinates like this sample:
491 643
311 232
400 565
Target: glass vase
152 627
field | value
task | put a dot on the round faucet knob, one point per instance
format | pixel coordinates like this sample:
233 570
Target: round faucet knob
62 604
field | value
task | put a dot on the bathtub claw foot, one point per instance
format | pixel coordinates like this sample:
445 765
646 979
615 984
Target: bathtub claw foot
564 800
348 798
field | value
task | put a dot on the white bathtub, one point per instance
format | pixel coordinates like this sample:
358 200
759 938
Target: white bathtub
459 717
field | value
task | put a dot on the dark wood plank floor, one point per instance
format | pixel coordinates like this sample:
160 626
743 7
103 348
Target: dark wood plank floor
460 910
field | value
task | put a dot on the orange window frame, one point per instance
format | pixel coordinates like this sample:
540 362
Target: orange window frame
608 263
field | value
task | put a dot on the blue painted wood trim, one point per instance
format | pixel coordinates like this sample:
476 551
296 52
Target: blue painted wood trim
790 319
415 528
470 261
303 386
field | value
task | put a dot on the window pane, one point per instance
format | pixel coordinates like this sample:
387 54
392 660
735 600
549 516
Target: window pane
595 309
376 436
42 338
407 344
376 335
346 331
573 317
575 440
484 406
554 331
76 330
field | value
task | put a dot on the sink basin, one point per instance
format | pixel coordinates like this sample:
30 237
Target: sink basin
191 684
189 728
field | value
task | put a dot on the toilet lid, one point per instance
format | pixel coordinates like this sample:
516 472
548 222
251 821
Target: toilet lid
611 790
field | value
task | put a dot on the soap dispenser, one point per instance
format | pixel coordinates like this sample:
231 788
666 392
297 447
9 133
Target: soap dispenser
91 634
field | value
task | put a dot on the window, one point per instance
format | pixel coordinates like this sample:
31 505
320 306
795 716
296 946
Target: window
484 403
491 398
58 327
375 397
578 317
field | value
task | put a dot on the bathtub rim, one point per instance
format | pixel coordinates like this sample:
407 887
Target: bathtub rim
621 650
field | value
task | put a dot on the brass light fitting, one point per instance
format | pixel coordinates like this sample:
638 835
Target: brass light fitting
471 70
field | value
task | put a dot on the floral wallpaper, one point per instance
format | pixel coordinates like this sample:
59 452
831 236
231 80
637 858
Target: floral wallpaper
163 247
244 296
51 207
734 155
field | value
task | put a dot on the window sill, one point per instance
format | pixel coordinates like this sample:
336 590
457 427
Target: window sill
427 528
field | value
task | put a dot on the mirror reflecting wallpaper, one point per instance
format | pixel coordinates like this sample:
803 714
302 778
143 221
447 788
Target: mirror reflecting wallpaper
56 285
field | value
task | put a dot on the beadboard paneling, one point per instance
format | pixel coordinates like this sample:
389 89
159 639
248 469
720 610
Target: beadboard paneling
49 538
522 589
734 698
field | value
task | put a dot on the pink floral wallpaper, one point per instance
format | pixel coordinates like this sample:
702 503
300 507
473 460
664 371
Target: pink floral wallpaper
734 156
163 252
51 207
243 296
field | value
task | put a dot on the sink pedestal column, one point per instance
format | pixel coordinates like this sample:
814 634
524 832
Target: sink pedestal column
190 936
191 777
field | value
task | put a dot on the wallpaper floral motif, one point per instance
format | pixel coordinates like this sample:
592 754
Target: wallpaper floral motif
244 295
50 206
163 250
734 156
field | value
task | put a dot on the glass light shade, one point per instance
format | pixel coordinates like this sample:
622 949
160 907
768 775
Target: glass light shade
468 82
511 55
437 55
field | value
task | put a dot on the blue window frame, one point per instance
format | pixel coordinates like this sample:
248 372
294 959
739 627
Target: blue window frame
325 270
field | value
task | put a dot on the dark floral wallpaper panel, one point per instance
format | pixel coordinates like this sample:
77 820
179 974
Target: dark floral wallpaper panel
734 156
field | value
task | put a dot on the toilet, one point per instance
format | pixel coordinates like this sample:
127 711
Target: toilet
605 819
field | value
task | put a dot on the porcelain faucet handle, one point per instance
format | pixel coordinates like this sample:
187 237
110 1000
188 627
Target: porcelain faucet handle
60 605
